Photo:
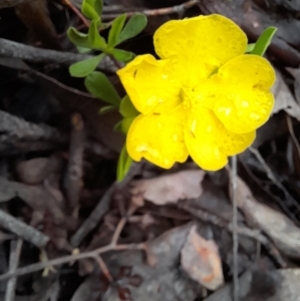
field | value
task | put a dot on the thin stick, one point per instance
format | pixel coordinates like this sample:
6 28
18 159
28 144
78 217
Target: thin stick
62 260
38 55
104 268
77 12
94 218
121 225
75 165
15 251
235 237
245 231
23 230
156 12
291 130
90 254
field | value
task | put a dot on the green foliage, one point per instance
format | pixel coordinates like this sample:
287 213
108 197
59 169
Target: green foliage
124 164
100 86
95 40
250 47
116 28
92 9
264 41
133 27
78 38
127 109
122 55
97 82
125 124
106 109
84 68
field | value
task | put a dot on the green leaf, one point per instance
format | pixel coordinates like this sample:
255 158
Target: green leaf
250 47
264 41
127 109
78 38
118 126
115 30
88 10
97 5
100 86
95 40
83 50
125 124
133 27
124 164
84 68
122 55
106 109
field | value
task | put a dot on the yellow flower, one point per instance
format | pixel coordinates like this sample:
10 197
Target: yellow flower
204 97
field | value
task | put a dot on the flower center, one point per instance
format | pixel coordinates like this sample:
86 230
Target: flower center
187 95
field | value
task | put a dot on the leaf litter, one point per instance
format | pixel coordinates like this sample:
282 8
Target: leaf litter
176 244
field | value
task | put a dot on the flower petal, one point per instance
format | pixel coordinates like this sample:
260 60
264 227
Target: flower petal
243 101
150 84
209 143
158 138
199 45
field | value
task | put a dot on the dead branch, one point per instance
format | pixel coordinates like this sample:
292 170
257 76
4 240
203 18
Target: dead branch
11 3
23 230
155 12
38 55
75 165
15 128
94 218
235 237
72 258
245 231
15 252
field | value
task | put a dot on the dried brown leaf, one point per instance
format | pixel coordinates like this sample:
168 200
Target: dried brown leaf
169 188
201 260
285 100
35 16
284 233
32 171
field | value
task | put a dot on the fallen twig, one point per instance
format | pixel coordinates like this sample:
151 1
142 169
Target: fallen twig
11 3
15 251
235 237
75 165
23 230
72 258
97 214
77 12
94 218
15 128
245 231
38 55
155 12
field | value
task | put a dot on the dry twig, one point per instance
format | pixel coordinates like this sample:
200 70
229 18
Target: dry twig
23 230
38 55
245 231
94 218
75 166
15 252
155 12
72 258
235 238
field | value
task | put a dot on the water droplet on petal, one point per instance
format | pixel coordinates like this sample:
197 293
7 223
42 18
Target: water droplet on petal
190 43
193 126
254 117
245 104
